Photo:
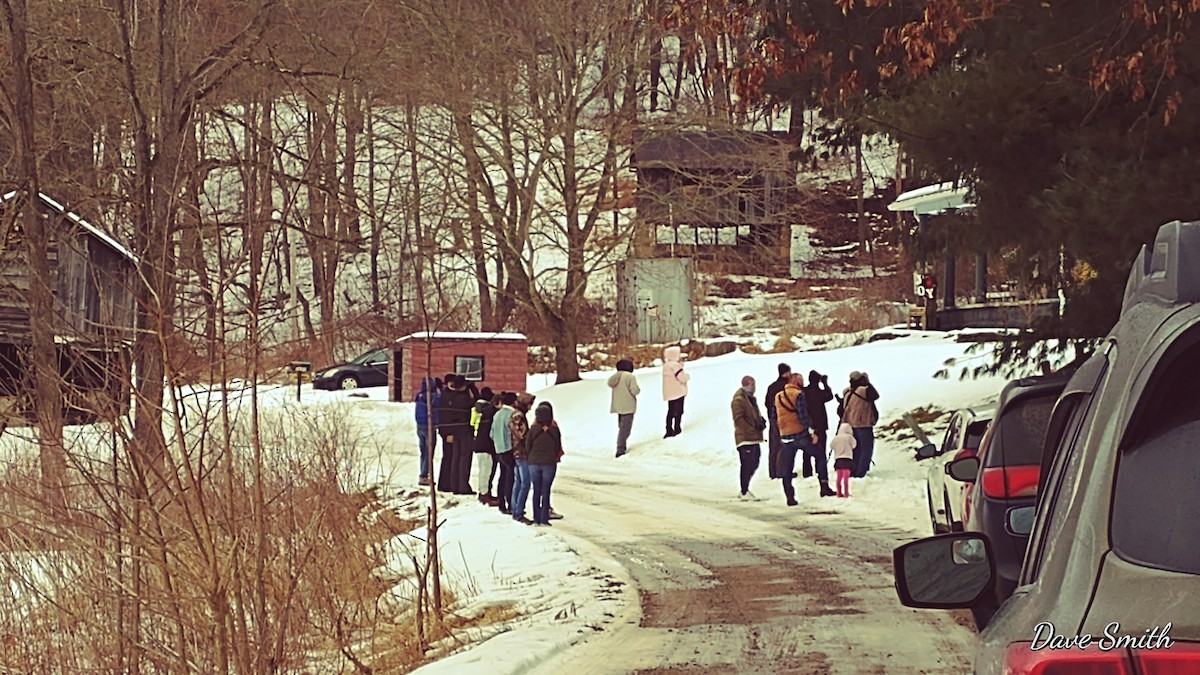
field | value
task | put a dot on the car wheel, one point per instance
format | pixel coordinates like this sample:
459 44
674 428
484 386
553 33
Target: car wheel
955 525
933 520
348 382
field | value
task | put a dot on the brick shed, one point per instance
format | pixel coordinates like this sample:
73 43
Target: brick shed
496 360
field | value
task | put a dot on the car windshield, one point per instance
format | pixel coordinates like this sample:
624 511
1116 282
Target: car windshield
363 358
975 433
1022 432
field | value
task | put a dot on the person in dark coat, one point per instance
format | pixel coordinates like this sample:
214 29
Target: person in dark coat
817 394
544 449
454 474
773 441
485 450
429 401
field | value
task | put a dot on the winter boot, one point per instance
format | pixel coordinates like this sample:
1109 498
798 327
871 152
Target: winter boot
826 491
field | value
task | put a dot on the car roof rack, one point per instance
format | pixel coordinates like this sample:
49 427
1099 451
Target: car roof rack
1161 272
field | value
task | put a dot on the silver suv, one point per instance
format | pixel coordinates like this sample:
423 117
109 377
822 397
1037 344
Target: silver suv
1111 577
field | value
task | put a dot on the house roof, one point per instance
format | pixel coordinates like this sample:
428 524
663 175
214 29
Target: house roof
707 149
447 335
95 231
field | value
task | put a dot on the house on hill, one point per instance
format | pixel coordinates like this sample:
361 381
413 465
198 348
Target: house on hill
709 193
94 319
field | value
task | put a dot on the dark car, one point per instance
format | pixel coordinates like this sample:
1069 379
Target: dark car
368 370
1004 474
1111 579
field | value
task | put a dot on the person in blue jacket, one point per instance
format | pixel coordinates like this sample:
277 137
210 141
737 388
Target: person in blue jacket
427 438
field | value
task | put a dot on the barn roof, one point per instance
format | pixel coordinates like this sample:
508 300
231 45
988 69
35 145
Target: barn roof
732 149
106 238
446 335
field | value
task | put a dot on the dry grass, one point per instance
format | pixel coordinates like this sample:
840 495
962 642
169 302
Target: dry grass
218 575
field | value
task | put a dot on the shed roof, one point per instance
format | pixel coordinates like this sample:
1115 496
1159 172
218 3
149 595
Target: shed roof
449 335
933 199
95 231
730 149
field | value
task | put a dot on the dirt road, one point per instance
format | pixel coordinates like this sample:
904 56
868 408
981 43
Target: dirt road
725 586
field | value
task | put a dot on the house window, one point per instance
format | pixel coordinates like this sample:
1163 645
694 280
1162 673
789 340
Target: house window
470 367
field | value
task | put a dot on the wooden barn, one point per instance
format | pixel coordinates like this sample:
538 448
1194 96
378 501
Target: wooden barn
94 318
496 360
707 194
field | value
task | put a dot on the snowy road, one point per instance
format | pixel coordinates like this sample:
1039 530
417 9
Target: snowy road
738 587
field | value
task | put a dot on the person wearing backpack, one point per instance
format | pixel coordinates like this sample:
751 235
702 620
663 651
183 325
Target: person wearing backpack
860 412
674 389
544 449
797 434
625 391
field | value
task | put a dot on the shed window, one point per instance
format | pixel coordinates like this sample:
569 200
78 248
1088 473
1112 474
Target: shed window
470 367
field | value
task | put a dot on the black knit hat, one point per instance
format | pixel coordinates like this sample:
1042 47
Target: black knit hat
625 365
784 369
486 394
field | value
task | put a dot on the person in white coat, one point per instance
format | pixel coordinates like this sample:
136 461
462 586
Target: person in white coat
674 389
843 446
625 391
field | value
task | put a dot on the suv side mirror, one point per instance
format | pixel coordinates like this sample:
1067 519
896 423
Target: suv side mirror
927 451
949 571
964 470
1019 520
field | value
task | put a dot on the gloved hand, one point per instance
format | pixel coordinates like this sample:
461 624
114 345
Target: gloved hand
762 424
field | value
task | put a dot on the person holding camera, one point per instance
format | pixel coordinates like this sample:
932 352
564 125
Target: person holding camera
816 395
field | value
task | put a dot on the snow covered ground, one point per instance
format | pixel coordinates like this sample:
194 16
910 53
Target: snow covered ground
563 589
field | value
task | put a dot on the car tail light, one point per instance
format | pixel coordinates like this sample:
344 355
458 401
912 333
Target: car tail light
1010 482
1021 660
1181 658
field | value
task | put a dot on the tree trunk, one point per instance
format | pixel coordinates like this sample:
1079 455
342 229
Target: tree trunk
43 359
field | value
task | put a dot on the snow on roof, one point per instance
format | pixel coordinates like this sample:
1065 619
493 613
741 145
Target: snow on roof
932 199
92 229
445 335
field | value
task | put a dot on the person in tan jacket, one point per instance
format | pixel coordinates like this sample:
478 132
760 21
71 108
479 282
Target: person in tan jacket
748 426
625 391
859 411
797 433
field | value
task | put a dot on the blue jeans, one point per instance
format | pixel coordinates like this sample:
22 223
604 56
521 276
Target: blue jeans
864 451
423 441
520 489
542 476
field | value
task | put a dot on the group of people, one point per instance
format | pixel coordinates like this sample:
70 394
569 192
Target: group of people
797 423
495 429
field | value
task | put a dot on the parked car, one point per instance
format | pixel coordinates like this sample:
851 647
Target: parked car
1114 545
945 495
369 369
1004 474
